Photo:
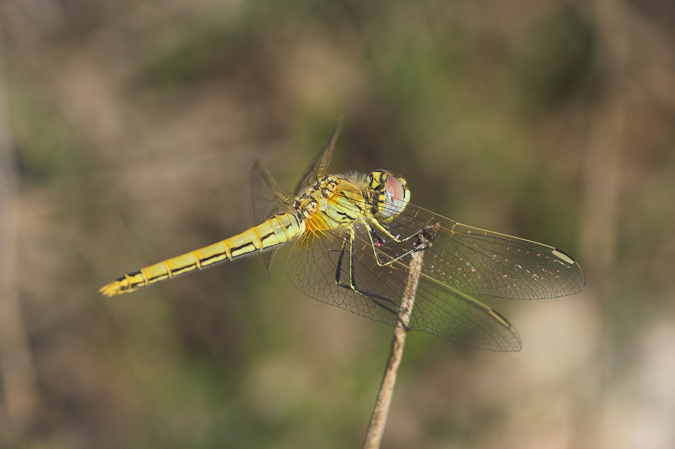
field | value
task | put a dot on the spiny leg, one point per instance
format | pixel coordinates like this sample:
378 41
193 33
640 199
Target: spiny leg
373 233
352 283
377 299
386 232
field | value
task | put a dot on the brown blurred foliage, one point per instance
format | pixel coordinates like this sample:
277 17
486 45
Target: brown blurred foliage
128 129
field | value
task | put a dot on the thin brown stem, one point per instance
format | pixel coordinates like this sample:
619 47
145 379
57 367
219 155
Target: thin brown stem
17 372
378 420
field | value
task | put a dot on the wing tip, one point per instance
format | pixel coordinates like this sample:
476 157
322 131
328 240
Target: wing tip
565 257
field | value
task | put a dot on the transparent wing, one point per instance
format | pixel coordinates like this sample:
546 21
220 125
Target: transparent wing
266 195
479 262
333 268
268 199
319 167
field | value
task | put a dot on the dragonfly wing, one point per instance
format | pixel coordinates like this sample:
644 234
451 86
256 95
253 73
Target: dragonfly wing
268 260
455 316
319 167
320 266
268 199
313 268
479 262
266 195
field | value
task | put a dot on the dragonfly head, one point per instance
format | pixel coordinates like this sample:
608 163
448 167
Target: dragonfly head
389 192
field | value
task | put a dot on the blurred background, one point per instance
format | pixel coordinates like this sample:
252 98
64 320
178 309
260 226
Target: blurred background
127 133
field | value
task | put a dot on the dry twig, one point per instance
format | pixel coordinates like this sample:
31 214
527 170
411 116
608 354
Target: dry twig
379 418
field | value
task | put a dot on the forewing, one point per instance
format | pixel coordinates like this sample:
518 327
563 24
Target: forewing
268 199
266 195
479 262
319 263
319 167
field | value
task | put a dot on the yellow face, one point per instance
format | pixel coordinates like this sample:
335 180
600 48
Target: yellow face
390 194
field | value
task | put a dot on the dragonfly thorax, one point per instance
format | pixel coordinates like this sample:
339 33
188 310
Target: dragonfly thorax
332 202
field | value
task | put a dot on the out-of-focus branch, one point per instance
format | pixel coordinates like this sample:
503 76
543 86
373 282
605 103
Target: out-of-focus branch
602 175
16 364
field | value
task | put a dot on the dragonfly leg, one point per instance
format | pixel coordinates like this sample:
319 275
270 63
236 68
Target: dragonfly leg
375 238
397 239
383 302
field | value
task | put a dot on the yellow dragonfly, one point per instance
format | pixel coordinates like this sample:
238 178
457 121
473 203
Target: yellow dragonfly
354 236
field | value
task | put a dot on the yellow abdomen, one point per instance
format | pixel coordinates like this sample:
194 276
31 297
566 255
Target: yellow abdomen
273 232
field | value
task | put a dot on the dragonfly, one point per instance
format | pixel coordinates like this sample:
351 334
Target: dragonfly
353 237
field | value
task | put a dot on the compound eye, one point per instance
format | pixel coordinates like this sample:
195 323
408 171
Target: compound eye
394 197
